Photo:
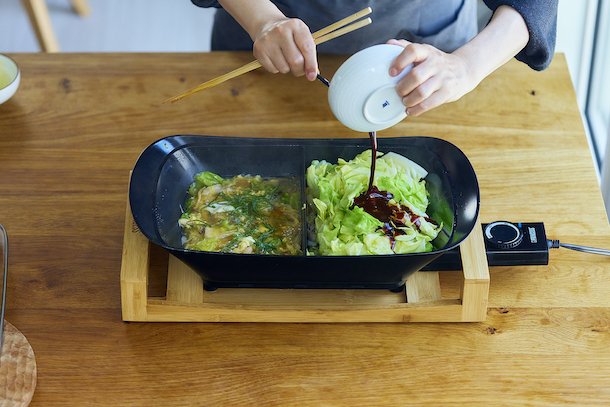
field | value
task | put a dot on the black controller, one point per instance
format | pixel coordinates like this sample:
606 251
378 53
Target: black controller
506 244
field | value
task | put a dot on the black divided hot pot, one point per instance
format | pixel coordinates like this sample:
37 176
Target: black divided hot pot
165 169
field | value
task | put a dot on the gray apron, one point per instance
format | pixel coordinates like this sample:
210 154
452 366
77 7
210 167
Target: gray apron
445 24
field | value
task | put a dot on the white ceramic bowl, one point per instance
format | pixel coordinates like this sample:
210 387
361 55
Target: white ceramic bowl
362 94
10 76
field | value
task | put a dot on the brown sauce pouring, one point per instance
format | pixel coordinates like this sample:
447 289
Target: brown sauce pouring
377 204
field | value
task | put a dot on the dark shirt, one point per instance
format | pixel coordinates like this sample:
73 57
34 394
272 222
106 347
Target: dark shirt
445 24
541 19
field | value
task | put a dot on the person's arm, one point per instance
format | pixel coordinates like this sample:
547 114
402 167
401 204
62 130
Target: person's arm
281 44
439 77
541 19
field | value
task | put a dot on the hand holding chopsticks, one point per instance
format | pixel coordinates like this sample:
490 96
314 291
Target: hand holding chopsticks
326 34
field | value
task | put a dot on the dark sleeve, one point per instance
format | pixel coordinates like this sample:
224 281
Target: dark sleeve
206 3
541 19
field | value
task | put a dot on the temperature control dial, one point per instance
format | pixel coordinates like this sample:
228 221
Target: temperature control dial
503 235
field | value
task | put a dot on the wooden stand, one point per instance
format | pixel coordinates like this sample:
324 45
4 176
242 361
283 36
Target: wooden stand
18 372
187 301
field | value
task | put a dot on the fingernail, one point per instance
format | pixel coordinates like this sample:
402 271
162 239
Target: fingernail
393 71
407 112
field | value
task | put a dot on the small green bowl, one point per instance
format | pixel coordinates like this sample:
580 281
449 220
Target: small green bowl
10 76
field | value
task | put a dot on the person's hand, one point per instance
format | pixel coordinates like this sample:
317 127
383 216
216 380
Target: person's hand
286 45
436 78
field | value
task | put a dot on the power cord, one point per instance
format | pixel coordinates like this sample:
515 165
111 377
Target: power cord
555 244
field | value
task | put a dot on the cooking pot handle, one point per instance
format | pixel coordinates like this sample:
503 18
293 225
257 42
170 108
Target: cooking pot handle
142 186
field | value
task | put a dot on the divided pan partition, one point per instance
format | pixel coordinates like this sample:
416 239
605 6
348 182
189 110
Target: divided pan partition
165 169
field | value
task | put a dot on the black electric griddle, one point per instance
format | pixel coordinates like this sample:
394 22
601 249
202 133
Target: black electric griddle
165 169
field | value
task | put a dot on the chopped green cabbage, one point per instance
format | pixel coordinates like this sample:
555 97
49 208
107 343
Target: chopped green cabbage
344 229
204 179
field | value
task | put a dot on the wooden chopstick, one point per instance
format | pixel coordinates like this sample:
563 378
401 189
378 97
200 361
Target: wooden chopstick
216 81
326 34
341 23
342 31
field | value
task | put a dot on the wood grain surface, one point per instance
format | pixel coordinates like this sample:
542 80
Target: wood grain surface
78 122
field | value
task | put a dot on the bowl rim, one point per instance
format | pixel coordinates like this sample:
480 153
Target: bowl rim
16 66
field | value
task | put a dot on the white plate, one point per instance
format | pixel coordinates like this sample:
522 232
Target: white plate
362 94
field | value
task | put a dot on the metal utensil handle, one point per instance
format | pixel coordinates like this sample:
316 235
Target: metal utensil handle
323 80
4 277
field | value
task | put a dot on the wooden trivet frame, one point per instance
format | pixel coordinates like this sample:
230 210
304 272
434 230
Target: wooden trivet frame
187 301
18 372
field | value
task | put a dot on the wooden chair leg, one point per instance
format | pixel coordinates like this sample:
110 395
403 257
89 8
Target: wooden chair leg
41 23
81 7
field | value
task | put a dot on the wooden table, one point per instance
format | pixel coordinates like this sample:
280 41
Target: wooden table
70 135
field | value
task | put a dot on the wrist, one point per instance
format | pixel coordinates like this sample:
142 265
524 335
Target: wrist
471 65
253 15
265 26
503 38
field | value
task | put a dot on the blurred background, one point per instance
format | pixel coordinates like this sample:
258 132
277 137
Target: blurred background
583 35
